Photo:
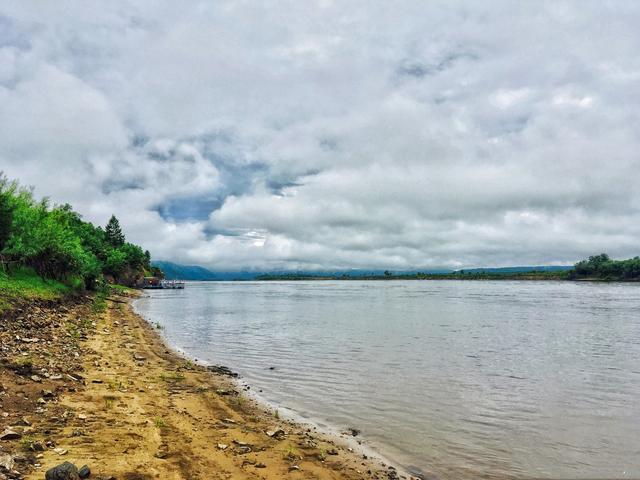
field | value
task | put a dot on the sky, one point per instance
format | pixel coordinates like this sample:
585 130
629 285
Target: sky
325 134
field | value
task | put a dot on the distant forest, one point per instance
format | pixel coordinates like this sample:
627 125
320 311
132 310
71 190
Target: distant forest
596 268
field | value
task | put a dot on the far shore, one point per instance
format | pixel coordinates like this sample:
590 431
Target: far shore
129 407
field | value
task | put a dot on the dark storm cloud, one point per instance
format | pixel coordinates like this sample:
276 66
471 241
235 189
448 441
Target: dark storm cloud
329 134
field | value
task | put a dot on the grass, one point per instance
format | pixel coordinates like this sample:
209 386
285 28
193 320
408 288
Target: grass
120 288
115 384
23 284
322 455
26 442
187 365
100 301
290 453
23 362
159 423
172 377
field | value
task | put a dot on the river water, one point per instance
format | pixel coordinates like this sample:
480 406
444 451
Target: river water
452 379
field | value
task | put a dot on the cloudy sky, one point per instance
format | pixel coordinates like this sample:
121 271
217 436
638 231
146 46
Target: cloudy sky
332 134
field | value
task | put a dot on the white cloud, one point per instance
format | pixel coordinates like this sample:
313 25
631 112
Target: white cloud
332 134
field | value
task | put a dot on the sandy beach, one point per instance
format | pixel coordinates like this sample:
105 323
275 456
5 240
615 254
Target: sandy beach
100 388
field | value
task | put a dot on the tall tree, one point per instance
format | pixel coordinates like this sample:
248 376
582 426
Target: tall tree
113 232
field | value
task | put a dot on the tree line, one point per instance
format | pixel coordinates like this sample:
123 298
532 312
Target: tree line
58 244
604 268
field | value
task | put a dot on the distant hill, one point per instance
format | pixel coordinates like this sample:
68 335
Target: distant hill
174 271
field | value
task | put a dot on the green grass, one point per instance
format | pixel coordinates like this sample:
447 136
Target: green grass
120 288
172 377
23 284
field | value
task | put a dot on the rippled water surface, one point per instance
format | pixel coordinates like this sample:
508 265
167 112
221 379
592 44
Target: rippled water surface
454 379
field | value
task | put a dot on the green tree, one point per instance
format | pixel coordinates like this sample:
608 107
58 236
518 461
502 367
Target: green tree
59 245
113 232
6 210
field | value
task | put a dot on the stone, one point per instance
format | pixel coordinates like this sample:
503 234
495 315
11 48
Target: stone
84 472
60 451
277 434
64 471
6 461
242 444
36 447
9 434
222 370
222 446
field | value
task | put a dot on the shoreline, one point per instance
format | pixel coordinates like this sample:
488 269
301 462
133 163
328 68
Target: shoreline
131 408
358 445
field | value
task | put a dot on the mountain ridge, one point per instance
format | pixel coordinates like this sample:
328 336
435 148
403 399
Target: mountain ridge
177 271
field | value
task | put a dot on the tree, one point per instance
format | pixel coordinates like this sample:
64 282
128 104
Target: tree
6 215
113 232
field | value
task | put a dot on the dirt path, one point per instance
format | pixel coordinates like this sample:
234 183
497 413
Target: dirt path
145 413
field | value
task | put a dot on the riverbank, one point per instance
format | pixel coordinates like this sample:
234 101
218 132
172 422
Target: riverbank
95 385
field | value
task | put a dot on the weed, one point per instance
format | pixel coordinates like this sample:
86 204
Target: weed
290 453
115 384
26 442
172 377
23 362
322 455
109 402
72 329
159 423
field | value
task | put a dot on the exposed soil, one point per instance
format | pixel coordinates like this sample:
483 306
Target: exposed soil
101 389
